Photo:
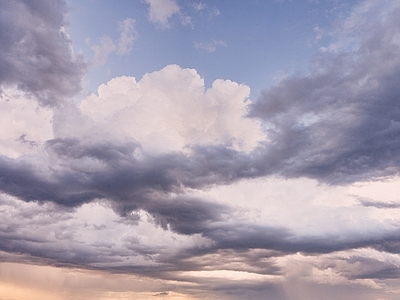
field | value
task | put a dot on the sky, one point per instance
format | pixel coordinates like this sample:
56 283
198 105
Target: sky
184 149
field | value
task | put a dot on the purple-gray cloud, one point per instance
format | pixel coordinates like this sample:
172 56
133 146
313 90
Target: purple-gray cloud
340 122
36 50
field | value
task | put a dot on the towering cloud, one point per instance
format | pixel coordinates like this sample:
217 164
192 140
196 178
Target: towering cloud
170 109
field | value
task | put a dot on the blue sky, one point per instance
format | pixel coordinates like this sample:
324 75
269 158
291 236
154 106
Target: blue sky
199 149
249 42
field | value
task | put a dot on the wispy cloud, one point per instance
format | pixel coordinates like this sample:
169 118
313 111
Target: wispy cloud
127 36
102 50
106 45
201 7
209 46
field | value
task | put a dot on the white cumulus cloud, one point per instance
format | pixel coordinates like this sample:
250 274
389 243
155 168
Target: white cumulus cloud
170 109
24 124
161 11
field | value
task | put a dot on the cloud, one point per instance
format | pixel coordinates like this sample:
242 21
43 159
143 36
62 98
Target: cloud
36 51
170 180
82 173
92 236
174 139
102 50
200 6
338 123
107 46
161 11
170 109
209 46
162 294
25 125
150 154
128 35
378 204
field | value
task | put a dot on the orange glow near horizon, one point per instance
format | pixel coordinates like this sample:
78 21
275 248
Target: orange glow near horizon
32 282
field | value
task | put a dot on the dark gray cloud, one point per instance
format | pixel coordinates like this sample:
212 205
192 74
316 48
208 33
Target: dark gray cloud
340 122
377 204
36 52
77 172
372 268
186 216
111 170
162 294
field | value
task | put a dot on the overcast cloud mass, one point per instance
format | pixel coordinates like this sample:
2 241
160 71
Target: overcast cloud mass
167 186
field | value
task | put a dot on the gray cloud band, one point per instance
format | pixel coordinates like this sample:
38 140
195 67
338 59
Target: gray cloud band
133 184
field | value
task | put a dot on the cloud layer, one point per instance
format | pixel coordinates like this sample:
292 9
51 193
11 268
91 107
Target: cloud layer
204 189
